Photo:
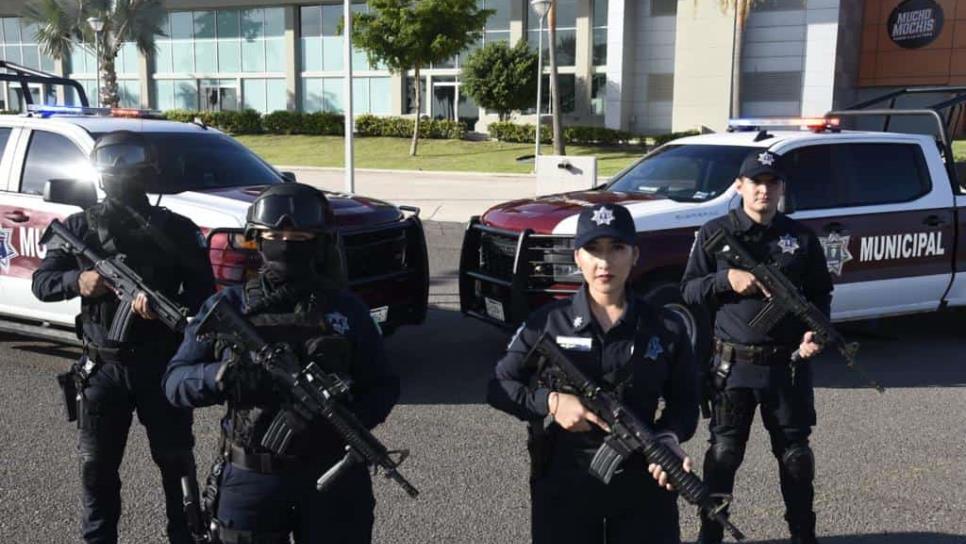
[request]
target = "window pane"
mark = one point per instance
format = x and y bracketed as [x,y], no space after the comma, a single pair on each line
[312,54]
[600,47]
[311,94]
[205,51]
[11,30]
[566,83]
[310,21]
[809,182]
[411,95]
[252,26]
[566,47]
[332,53]
[50,156]
[566,13]
[186,94]
[274,55]
[254,91]
[162,57]
[130,57]
[332,94]
[207,160]
[600,13]
[229,56]
[493,37]
[182,23]
[12,53]
[4,136]
[380,95]
[501,19]
[31,56]
[665,7]
[228,24]
[129,93]
[359,60]
[28,32]
[881,173]
[183,57]
[164,90]
[274,22]
[253,56]
[46,63]
[277,95]
[360,95]
[204,25]
[331,17]
[598,94]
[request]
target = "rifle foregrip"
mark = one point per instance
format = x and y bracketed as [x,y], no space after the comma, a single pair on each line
[688,485]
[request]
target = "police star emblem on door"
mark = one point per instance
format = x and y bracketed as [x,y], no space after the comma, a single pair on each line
[7,252]
[837,251]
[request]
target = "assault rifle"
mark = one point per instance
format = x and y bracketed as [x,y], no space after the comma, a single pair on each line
[125,282]
[309,395]
[628,434]
[785,300]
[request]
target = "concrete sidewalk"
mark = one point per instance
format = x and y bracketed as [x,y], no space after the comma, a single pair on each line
[441,196]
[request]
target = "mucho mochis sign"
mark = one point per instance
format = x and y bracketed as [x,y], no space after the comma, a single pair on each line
[915,23]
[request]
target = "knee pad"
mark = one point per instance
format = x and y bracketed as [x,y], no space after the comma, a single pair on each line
[727,455]
[799,462]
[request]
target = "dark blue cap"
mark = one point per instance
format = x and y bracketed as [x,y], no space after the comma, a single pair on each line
[760,163]
[610,220]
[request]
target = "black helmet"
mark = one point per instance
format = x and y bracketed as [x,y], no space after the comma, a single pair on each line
[126,162]
[289,205]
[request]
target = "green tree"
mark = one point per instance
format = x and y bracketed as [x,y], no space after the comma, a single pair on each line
[408,35]
[501,78]
[62,25]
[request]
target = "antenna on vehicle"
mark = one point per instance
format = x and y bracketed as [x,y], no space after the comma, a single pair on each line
[763,135]
[198,121]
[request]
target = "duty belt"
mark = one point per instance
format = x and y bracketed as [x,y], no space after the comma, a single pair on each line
[264,463]
[754,355]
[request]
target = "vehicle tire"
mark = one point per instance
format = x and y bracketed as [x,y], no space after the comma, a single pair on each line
[696,319]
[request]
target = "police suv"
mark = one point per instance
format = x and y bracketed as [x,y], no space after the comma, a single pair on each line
[886,207]
[45,174]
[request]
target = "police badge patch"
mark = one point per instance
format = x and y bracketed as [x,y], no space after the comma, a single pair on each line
[7,252]
[603,216]
[837,251]
[654,348]
[338,322]
[788,244]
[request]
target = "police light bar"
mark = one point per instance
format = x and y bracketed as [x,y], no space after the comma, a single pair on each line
[47,110]
[812,123]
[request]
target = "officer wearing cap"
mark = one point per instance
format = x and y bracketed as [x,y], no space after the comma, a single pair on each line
[298,300]
[624,343]
[169,253]
[751,369]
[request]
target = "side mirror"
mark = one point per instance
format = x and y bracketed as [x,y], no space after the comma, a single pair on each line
[70,191]
[289,176]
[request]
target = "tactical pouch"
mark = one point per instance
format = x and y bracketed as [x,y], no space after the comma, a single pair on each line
[720,372]
[68,389]
[540,443]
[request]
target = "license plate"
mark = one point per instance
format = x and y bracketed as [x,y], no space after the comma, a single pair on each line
[494,309]
[380,314]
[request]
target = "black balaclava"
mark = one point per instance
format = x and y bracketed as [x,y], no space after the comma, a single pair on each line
[289,260]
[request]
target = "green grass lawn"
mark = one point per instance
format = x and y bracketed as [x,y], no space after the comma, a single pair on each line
[452,155]
[959,150]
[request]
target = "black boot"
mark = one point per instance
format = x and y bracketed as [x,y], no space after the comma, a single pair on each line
[711,531]
[802,529]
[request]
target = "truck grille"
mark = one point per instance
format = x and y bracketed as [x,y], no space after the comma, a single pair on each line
[375,253]
[497,253]
[549,257]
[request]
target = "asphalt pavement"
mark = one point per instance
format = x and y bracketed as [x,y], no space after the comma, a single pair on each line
[890,466]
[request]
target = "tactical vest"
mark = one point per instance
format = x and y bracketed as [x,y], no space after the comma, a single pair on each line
[294,317]
[115,232]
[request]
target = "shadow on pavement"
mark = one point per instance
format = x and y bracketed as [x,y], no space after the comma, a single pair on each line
[40,346]
[884,538]
[922,350]
[447,360]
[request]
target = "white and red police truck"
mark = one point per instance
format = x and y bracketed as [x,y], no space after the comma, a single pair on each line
[888,208]
[207,177]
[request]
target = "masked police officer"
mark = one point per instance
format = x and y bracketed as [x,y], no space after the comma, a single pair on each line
[168,252]
[298,299]
[619,340]
[752,369]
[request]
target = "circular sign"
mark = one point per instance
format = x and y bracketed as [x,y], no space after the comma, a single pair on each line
[915,23]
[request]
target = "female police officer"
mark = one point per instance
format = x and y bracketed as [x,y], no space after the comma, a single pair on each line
[621,341]
[296,301]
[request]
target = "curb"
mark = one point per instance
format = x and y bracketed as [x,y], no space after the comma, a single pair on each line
[389,171]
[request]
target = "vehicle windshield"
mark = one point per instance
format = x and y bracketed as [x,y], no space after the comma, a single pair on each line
[684,173]
[204,161]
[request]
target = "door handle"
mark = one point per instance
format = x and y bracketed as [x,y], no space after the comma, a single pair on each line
[17,216]
[934,221]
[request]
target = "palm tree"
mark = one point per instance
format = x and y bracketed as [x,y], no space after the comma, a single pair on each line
[63,24]
[741,8]
[558,141]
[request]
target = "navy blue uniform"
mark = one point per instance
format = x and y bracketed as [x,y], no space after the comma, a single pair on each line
[648,350]
[760,372]
[128,375]
[280,497]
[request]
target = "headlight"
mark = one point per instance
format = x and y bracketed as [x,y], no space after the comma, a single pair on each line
[562,259]
[567,273]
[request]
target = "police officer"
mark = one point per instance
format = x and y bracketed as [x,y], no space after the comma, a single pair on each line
[625,343]
[750,368]
[298,299]
[168,251]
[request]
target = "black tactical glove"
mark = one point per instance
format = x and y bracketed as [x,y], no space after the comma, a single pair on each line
[245,384]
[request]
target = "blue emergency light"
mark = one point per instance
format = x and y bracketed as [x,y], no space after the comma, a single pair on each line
[48,110]
[815,124]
